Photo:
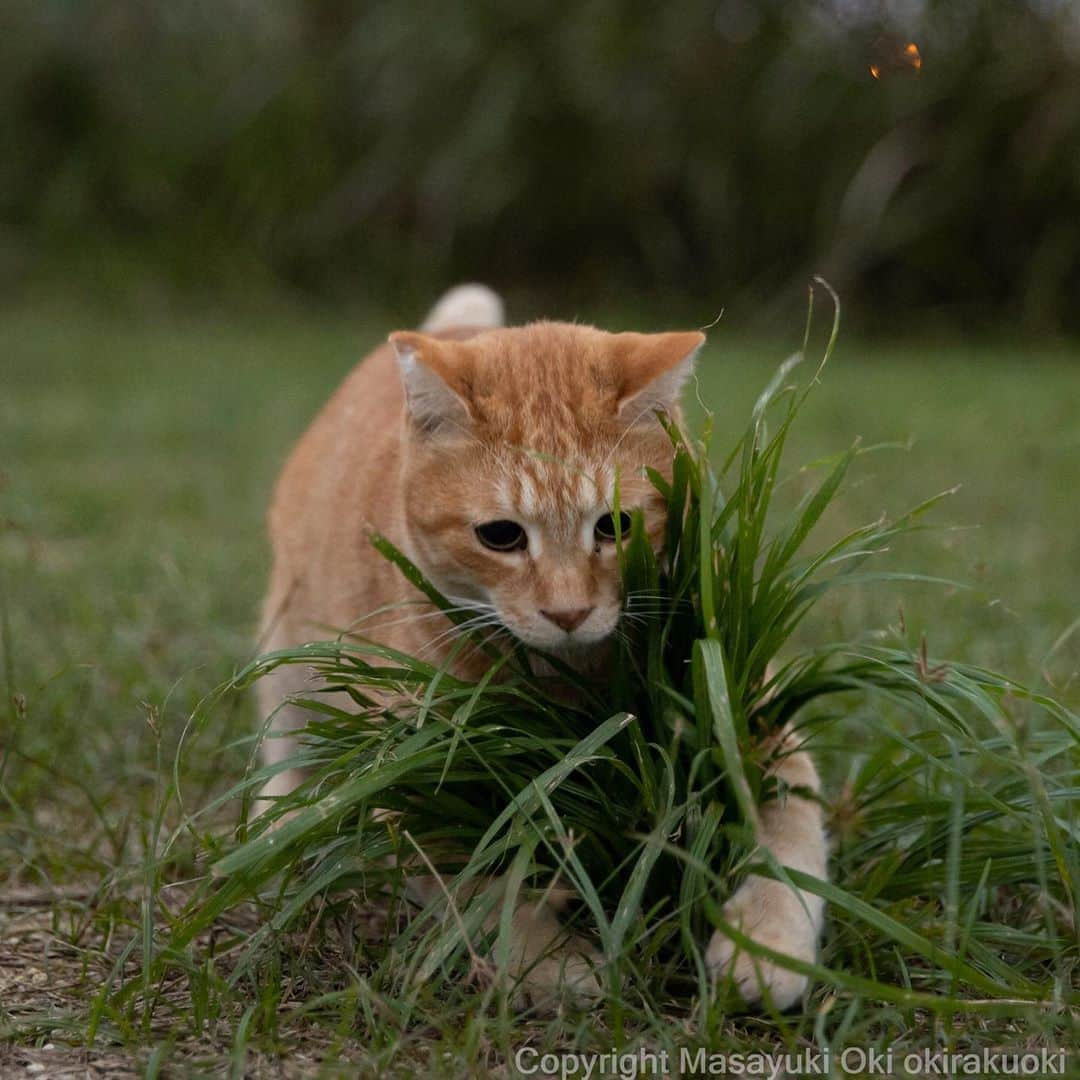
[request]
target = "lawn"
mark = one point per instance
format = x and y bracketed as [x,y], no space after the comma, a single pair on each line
[136,459]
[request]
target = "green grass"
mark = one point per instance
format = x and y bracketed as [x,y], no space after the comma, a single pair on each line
[136,461]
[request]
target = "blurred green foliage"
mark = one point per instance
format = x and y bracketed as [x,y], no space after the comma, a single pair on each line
[714,150]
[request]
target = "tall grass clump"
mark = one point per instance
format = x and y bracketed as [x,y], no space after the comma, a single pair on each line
[956,867]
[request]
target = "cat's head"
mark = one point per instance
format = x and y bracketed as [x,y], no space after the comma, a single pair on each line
[513,441]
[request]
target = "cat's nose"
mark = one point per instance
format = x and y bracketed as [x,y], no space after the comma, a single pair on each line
[568,620]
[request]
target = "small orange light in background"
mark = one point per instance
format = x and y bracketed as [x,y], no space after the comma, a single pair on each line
[892,55]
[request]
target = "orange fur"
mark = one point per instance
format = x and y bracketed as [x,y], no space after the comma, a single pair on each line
[541,420]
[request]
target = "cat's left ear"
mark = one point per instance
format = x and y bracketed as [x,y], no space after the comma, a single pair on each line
[434,379]
[654,369]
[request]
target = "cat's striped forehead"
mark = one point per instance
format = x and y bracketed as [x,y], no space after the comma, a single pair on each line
[545,488]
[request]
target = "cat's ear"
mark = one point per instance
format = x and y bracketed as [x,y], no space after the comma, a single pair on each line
[433,378]
[653,370]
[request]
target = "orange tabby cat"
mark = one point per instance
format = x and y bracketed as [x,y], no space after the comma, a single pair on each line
[489,455]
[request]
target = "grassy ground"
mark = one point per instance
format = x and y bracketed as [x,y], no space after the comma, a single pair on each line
[135,462]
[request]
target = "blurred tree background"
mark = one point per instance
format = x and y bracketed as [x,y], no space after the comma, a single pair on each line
[593,151]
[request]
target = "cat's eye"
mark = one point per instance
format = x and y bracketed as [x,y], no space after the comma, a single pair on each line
[502,536]
[605,527]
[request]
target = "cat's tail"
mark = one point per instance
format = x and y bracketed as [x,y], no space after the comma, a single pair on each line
[465,306]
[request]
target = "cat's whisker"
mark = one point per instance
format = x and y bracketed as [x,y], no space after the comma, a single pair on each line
[458,629]
[654,594]
[640,602]
[473,647]
[482,644]
[466,603]
[377,628]
[460,605]
[462,628]
[454,629]
[417,617]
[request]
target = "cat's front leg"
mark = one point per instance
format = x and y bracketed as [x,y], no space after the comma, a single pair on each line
[771,912]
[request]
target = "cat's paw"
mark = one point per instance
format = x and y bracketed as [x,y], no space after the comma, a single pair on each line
[770,913]
[566,975]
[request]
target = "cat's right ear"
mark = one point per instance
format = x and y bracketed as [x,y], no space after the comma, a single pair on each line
[431,380]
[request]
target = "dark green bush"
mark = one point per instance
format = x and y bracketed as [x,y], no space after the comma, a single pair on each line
[718,150]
